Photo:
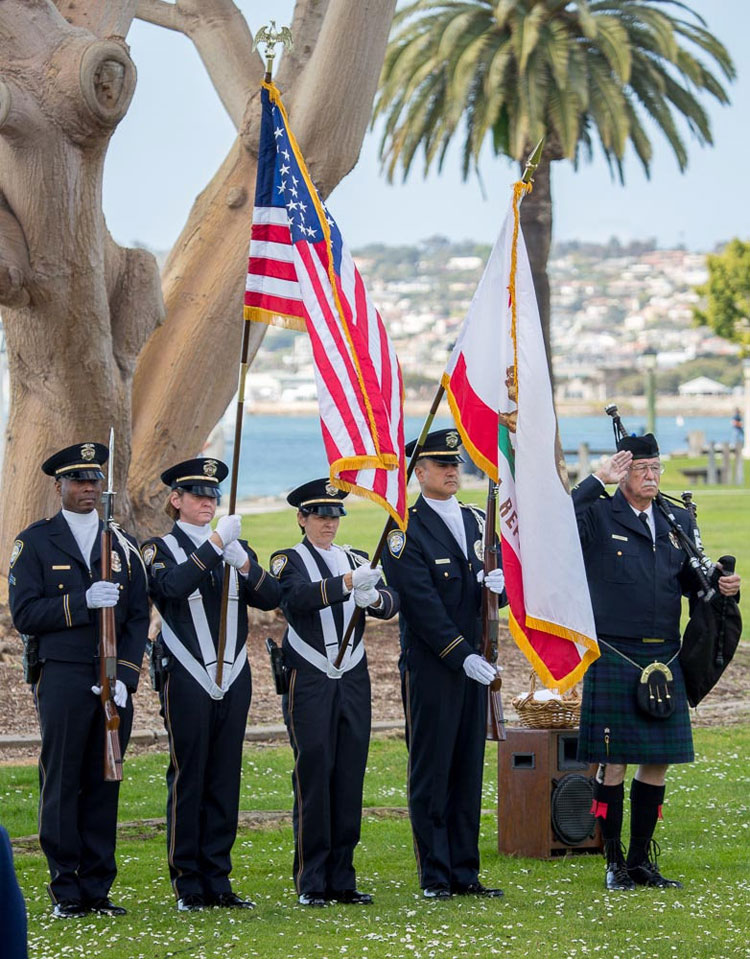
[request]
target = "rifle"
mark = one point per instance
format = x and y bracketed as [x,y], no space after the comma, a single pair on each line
[108,638]
[495,719]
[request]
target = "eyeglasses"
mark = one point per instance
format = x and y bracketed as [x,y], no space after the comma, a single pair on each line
[656,469]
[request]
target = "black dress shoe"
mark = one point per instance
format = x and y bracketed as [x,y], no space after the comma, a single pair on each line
[477,889]
[617,877]
[437,892]
[312,899]
[352,897]
[106,907]
[69,909]
[230,900]
[647,874]
[193,902]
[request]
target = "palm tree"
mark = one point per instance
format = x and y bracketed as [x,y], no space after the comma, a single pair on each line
[574,71]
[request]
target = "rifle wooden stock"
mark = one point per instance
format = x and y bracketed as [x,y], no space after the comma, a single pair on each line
[495,718]
[108,672]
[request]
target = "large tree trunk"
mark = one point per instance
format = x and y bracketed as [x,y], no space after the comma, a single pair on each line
[77,309]
[536,222]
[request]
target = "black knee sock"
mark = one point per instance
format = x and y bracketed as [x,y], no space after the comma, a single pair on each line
[645,808]
[607,807]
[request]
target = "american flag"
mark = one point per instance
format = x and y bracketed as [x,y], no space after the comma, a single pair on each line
[302,276]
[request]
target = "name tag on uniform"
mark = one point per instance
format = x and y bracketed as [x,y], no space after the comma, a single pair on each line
[623,538]
[439,561]
[62,567]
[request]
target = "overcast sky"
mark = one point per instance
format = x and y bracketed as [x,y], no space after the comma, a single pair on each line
[176,134]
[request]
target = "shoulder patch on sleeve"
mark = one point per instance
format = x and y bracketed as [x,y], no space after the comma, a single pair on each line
[148,553]
[396,542]
[278,563]
[17,547]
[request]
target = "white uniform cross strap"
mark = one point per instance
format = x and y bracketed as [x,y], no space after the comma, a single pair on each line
[202,630]
[331,638]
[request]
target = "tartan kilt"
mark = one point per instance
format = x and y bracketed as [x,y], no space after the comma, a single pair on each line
[609,702]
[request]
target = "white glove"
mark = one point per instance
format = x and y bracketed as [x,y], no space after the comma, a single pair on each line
[234,554]
[229,528]
[121,693]
[494,580]
[477,668]
[365,596]
[101,594]
[365,576]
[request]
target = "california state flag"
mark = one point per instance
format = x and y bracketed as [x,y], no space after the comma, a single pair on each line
[500,395]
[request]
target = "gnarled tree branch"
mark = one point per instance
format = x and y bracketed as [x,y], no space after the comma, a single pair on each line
[224,43]
[306,26]
[352,42]
[103,18]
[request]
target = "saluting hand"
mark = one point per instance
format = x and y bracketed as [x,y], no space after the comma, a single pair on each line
[615,468]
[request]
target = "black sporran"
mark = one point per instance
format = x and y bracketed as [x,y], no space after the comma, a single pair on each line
[655,691]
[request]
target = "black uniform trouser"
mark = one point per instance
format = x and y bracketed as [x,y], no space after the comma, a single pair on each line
[77,808]
[203,780]
[329,728]
[445,717]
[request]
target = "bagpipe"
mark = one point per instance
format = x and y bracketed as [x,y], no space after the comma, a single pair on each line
[713,631]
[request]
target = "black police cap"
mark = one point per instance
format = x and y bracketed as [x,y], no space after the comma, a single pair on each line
[642,447]
[443,445]
[200,476]
[81,461]
[318,496]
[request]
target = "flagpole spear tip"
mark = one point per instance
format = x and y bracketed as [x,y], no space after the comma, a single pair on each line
[270,37]
[533,162]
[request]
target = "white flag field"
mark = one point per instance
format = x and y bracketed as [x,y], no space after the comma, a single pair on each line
[499,390]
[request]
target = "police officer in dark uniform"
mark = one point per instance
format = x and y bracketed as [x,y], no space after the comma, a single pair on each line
[205,722]
[637,573]
[327,708]
[437,569]
[55,594]
[13,920]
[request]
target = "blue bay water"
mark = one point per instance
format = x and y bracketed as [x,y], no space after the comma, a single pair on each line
[280,452]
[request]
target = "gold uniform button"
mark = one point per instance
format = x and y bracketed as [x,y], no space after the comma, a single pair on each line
[445,574]
[619,552]
[60,586]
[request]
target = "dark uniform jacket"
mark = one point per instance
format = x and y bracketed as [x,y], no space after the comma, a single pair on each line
[437,584]
[302,600]
[47,593]
[636,584]
[171,583]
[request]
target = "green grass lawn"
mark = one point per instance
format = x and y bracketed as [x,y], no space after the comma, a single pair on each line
[556,908]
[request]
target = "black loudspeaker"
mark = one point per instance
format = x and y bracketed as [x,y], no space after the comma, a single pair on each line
[544,795]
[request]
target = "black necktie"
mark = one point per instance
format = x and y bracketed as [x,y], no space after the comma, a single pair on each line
[644,519]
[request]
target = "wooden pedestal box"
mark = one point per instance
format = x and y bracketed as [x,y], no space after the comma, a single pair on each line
[544,795]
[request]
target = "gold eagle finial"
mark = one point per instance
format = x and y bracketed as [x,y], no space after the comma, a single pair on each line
[270,36]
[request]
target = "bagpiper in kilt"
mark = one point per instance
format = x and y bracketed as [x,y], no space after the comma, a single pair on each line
[637,574]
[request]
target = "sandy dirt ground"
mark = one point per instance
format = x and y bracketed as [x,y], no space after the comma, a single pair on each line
[726,705]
